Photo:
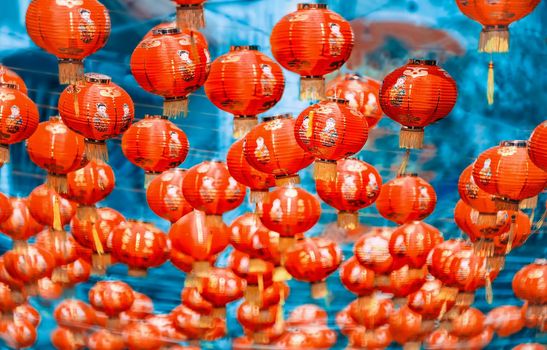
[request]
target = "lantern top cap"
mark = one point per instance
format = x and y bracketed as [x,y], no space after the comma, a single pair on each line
[55,119]
[421,61]
[166,31]
[354,76]
[337,100]
[305,6]
[408,175]
[279,116]
[10,85]
[97,78]
[155,116]
[515,143]
[243,47]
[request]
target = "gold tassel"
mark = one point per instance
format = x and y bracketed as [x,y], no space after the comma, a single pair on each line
[57,226]
[309,132]
[488,287]
[511,235]
[539,223]
[96,239]
[490,83]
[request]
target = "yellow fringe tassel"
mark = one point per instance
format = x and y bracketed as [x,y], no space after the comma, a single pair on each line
[490,84]
[57,214]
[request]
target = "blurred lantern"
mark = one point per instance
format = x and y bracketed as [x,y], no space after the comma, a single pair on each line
[416,95]
[477,198]
[220,287]
[372,251]
[406,198]
[166,326]
[362,94]
[188,321]
[208,187]
[507,172]
[430,301]
[330,130]
[103,339]
[112,298]
[89,185]
[529,346]
[142,336]
[312,42]
[20,225]
[364,338]
[8,76]
[411,243]
[6,278]
[70,30]
[185,262]
[28,265]
[27,312]
[271,148]
[140,246]
[506,320]
[97,109]
[402,282]
[58,150]
[312,260]
[321,337]
[141,308]
[10,299]
[49,290]
[18,118]
[518,233]
[481,340]
[48,208]
[258,275]
[245,83]
[258,182]
[191,298]
[250,236]
[164,195]
[64,339]
[77,271]
[409,328]
[356,185]
[357,278]
[75,315]
[155,145]
[530,284]
[256,319]
[19,333]
[537,146]
[307,315]
[190,14]
[441,339]
[469,323]
[171,64]
[5,208]
[63,249]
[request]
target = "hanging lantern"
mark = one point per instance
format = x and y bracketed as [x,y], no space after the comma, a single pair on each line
[171,64]
[409,328]
[142,335]
[64,339]
[20,225]
[208,187]
[480,200]
[97,109]
[5,208]
[506,320]
[362,94]
[529,284]
[518,233]
[258,276]
[27,312]
[74,315]
[10,299]
[19,334]
[406,198]
[112,298]
[28,265]
[104,339]
[164,195]
[245,83]
[190,14]
[441,339]
[188,321]
[372,251]
[429,301]
[155,145]
[191,298]
[256,319]
[293,340]
[166,326]
[356,185]
[9,77]
[537,146]
[18,118]
[62,247]
[312,42]
[377,338]
[330,130]
[49,290]
[411,243]
[507,172]
[48,208]
[185,262]
[468,324]
[415,96]
[357,278]
[401,282]
[371,311]
[250,236]
[77,272]
[58,150]
[220,287]
[70,30]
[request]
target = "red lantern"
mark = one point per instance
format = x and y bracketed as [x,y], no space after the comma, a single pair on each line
[537,146]
[171,64]
[257,319]
[477,198]
[10,299]
[408,328]
[245,83]
[258,182]
[5,208]
[507,172]
[506,320]
[220,287]
[64,339]
[187,321]
[402,282]
[8,76]
[74,315]
[357,278]
[250,236]
[363,338]
[293,340]
[20,225]
[29,264]
[312,260]
[58,150]
[209,187]
[49,290]
[97,109]
[191,297]
[190,14]
[185,263]
[111,297]
[63,249]
[259,276]
[27,312]
[77,271]
[18,118]
[362,94]
[312,42]
[155,145]
[406,198]
[416,95]
[166,325]
[371,311]
[307,315]
[141,308]
[518,233]
[356,185]
[164,195]
[429,301]
[140,246]
[411,243]
[468,323]
[103,339]
[271,148]
[70,30]
[372,251]
[19,334]
[48,208]
[441,339]
[530,284]
[142,336]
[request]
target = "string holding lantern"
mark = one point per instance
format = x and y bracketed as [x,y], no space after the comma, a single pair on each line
[312,42]
[171,64]
[48,208]
[537,146]
[164,195]
[8,76]
[245,83]
[190,14]
[70,30]
[155,144]
[415,96]
[97,109]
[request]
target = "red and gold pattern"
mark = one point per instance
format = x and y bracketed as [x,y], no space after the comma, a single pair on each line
[111,297]
[220,287]
[164,195]
[48,208]
[411,243]
[9,77]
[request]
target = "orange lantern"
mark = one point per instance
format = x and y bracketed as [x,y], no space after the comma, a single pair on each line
[165,324]
[10,299]
[477,198]
[191,297]
[293,340]
[258,276]
[208,187]
[49,290]
[377,338]
[58,150]
[75,315]
[48,208]
[345,322]
[64,339]
[8,76]
[63,249]
[20,225]
[271,148]
[507,172]
[408,328]
[140,246]
[27,312]
[371,311]
[77,271]
[70,30]
[142,336]
[190,14]
[429,301]
[312,42]
[29,264]
[537,146]
[530,284]
[5,208]
[18,118]
[104,339]
[401,282]
[164,195]
[97,109]
[406,198]
[155,145]
[141,308]
[518,233]
[257,319]
[506,320]
[416,95]
[220,287]
[258,182]
[250,236]
[372,251]
[185,263]
[411,243]
[245,83]
[357,278]
[19,334]
[171,64]
[312,260]
[441,339]
[111,297]
[307,315]
[362,94]
[469,323]
[356,185]
[187,321]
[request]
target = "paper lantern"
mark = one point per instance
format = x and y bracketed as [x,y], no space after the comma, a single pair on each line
[19,334]
[357,278]
[415,96]
[166,326]
[468,323]
[103,339]
[429,301]
[64,339]
[356,185]
[506,320]
[330,130]
[307,315]
[185,262]
[507,172]
[155,145]
[537,146]
[29,264]
[141,308]
[77,271]
[245,83]
[220,287]
[408,327]
[441,339]
[256,319]
[518,233]
[371,311]
[9,77]
[58,150]
[70,30]
[295,339]
[49,290]
[10,299]
[27,312]
[312,42]
[97,109]
[142,336]
[362,94]
[480,200]
[372,251]
[48,208]
[530,284]
[190,14]
[406,198]
[20,225]
[250,236]
[401,282]
[63,249]
[111,297]
[164,195]
[258,276]
[5,208]
[377,338]
[18,118]
[171,64]
[411,243]
[191,297]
